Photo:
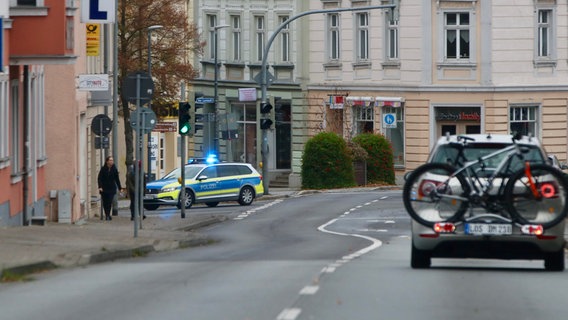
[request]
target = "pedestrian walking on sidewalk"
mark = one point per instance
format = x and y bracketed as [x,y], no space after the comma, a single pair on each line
[108,181]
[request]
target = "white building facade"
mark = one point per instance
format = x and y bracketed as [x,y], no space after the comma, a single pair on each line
[443,66]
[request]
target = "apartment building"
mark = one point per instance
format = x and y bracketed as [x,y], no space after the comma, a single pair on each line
[442,66]
[42,130]
[241,30]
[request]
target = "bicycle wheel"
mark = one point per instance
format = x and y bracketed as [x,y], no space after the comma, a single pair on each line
[541,202]
[432,194]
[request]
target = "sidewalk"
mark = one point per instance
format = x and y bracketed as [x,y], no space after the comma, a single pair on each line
[28,249]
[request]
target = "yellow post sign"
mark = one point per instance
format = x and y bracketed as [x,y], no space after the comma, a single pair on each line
[93,39]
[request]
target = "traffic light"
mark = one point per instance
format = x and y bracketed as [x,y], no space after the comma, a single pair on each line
[184,126]
[265,123]
[265,107]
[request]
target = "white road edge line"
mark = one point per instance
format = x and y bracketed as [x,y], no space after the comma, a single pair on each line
[375,243]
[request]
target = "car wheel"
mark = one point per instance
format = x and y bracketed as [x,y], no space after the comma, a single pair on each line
[151,207]
[211,204]
[189,199]
[420,259]
[246,196]
[554,261]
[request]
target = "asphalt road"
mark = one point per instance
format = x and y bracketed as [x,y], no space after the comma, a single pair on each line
[324,256]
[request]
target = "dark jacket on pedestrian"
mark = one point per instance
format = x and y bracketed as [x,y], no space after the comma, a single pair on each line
[108,180]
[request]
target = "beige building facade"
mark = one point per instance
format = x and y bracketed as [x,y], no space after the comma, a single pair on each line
[443,66]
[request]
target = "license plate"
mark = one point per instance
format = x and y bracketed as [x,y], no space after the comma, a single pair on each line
[149,196]
[488,229]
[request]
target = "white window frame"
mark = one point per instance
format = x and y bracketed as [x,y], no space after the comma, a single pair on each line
[334,37]
[545,36]
[392,40]
[211,24]
[259,36]
[16,136]
[458,28]
[362,36]
[38,107]
[284,39]
[4,121]
[236,36]
[528,114]
[362,115]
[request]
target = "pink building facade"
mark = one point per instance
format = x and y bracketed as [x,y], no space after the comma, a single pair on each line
[41,112]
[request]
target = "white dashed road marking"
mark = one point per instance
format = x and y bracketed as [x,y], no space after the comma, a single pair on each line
[246,214]
[289,314]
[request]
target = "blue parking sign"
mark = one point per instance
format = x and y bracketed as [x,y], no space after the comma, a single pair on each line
[389,120]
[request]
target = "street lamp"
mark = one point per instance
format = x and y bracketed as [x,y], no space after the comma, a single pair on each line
[150,29]
[215,86]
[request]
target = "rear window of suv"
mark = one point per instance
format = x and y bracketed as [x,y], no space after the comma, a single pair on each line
[473,151]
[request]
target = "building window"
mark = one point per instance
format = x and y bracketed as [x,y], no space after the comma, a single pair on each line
[69,34]
[4,122]
[457,27]
[38,94]
[259,30]
[236,38]
[212,23]
[364,118]
[244,149]
[284,40]
[27,2]
[362,36]
[15,110]
[392,39]
[333,35]
[523,120]
[544,36]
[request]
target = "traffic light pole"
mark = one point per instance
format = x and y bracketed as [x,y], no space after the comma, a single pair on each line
[264,72]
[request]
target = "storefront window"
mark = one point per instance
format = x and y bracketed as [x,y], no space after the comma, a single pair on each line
[244,147]
[364,117]
[523,120]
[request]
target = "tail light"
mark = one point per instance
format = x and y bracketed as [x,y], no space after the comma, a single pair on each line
[444,227]
[532,229]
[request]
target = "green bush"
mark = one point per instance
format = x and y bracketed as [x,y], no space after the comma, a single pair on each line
[326,163]
[380,163]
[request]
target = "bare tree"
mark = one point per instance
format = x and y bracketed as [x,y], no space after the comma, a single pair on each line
[171,48]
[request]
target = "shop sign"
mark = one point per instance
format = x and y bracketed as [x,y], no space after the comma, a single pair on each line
[165,127]
[93,82]
[457,116]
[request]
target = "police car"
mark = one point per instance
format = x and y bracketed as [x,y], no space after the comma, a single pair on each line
[208,183]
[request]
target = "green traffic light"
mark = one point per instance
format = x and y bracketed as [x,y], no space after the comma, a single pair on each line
[184,129]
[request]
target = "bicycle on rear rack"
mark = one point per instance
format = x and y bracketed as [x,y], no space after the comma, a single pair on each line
[532,195]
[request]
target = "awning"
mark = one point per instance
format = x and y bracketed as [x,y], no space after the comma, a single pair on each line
[359,101]
[389,101]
